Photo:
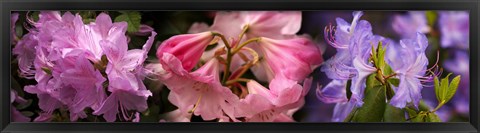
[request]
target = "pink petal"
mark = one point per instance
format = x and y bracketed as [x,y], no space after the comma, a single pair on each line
[188,48]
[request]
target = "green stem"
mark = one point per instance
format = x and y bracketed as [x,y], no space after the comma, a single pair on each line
[245,44]
[438,106]
[237,80]
[226,72]
[245,28]
[223,39]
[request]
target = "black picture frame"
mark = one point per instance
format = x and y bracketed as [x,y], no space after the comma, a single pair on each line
[6,6]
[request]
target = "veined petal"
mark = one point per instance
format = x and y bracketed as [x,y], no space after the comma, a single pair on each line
[358,82]
[188,48]
[333,92]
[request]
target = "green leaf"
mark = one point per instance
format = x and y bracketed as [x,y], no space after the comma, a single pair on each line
[452,88]
[444,88]
[431,17]
[420,117]
[389,91]
[24,106]
[437,88]
[432,117]
[381,55]
[393,114]
[350,116]
[394,81]
[422,106]
[19,30]
[373,107]
[151,115]
[133,19]
[411,112]
[27,113]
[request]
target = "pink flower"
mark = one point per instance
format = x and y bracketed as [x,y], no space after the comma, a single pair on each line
[25,52]
[16,115]
[125,77]
[294,58]
[85,81]
[277,25]
[187,48]
[200,91]
[177,116]
[13,21]
[277,104]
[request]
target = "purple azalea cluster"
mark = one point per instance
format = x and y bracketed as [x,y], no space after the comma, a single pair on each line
[354,42]
[80,67]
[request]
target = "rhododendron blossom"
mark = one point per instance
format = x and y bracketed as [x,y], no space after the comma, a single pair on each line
[71,61]
[214,91]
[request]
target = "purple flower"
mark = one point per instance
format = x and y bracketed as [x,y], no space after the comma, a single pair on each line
[64,55]
[126,85]
[25,52]
[13,21]
[342,110]
[454,28]
[353,43]
[17,116]
[409,69]
[408,25]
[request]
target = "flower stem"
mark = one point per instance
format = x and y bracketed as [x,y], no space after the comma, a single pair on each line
[226,72]
[245,44]
[244,30]
[438,106]
[227,44]
[237,80]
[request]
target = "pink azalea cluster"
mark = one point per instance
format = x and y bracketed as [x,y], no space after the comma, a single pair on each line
[80,67]
[211,83]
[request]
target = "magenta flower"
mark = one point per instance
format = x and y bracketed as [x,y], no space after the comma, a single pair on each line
[66,61]
[85,81]
[13,21]
[17,116]
[187,48]
[199,92]
[125,77]
[25,52]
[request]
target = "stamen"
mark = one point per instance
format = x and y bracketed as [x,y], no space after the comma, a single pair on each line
[330,38]
[196,104]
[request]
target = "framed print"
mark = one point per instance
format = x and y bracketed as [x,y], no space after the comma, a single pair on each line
[209,66]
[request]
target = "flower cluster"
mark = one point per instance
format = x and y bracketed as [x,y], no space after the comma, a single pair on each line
[355,61]
[83,68]
[211,83]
